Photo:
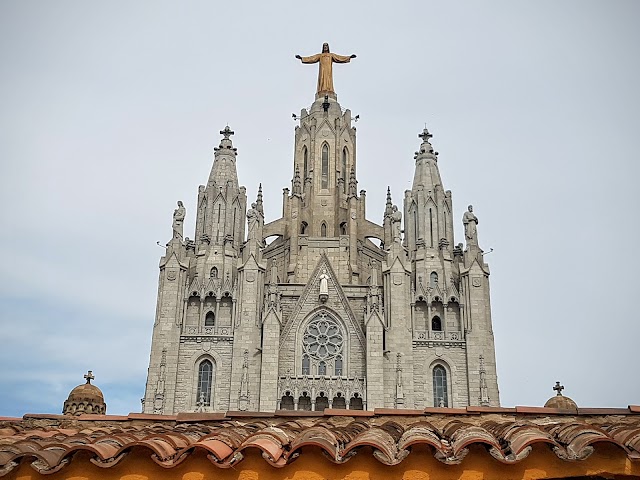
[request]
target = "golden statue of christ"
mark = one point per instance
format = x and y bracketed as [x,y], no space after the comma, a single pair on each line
[325,72]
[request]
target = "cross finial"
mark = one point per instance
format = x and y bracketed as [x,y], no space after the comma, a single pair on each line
[89,376]
[425,135]
[227,132]
[558,388]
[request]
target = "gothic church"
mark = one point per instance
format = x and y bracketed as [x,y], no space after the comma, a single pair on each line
[306,312]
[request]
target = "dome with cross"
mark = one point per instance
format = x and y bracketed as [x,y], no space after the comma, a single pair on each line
[560,401]
[85,398]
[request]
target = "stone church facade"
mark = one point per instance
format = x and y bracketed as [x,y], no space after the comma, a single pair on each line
[306,312]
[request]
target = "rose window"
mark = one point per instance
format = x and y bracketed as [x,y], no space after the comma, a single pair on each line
[323,338]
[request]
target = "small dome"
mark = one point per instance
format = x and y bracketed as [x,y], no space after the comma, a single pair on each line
[560,401]
[85,398]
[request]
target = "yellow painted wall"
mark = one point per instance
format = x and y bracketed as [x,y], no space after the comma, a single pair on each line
[312,465]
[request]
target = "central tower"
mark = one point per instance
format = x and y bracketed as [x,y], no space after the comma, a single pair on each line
[308,312]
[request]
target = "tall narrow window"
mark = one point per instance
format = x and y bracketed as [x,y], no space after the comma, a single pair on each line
[233,225]
[344,170]
[322,368]
[445,223]
[306,365]
[205,376]
[431,226]
[415,225]
[213,273]
[440,395]
[305,162]
[436,324]
[209,320]
[338,369]
[303,228]
[325,166]
[323,230]
[433,279]
[219,208]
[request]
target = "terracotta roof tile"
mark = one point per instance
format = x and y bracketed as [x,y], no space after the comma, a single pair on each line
[47,442]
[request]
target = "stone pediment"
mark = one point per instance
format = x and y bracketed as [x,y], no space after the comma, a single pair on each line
[310,301]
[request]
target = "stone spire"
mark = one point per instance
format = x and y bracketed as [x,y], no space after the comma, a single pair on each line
[223,172]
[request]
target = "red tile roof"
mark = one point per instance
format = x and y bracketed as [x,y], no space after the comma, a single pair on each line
[48,442]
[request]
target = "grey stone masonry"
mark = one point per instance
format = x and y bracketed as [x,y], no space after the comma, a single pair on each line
[321,317]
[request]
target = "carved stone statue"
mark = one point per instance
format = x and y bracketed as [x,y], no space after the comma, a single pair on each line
[252,221]
[325,72]
[178,220]
[396,218]
[324,287]
[470,222]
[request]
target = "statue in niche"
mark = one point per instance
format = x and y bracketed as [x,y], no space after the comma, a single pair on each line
[178,221]
[470,222]
[396,218]
[325,72]
[324,287]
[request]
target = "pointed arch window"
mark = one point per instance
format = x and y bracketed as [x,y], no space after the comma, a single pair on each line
[305,163]
[306,365]
[322,368]
[205,382]
[325,166]
[210,319]
[303,228]
[338,368]
[344,169]
[323,230]
[431,227]
[415,225]
[213,273]
[433,279]
[436,324]
[440,393]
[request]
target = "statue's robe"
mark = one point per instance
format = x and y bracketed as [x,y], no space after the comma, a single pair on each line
[325,73]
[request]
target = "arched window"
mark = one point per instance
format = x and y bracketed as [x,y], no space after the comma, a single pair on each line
[440,395]
[304,401]
[415,225]
[433,279]
[344,170]
[209,320]
[431,227]
[322,402]
[323,230]
[306,365]
[338,368]
[356,402]
[205,378]
[343,228]
[325,166]
[286,402]
[339,401]
[303,227]
[305,162]
[213,273]
[436,324]
[322,368]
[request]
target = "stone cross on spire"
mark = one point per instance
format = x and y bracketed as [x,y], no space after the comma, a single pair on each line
[425,135]
[89,376]
[558,388]
[227,132]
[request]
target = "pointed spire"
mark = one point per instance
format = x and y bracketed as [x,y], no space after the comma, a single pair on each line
[353,183]
[259,205]
[297,184]
[388,209]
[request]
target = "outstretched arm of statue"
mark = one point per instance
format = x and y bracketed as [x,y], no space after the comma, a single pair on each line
[311,59]
[342,58]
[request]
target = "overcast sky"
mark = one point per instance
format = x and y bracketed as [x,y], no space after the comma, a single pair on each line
[109,112]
